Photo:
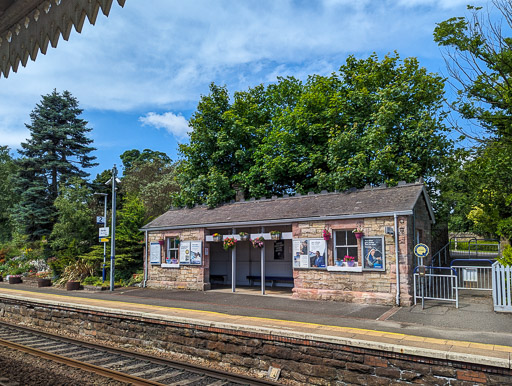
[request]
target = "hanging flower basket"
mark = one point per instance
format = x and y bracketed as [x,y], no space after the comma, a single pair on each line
[326,234]
[217,237]
[258,242]
[229,243]
[275,235]
[244,236]
[161,242]
[358,233]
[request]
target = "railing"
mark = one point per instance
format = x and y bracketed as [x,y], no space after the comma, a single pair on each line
[501,284]
[442,257]
[474,248]
[475,274]
[438,283]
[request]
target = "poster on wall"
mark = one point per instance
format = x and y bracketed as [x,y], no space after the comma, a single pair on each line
[300,253]
[185,252]
[373,253]
[317,251]
[154,253]
[195,252]
[279,250]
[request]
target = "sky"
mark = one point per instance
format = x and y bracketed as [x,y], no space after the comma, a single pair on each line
[139,73]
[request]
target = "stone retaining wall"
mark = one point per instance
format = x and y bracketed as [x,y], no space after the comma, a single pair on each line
[250,350]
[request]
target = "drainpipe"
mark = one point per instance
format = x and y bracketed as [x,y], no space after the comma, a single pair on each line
[233,264]
[397,264]
[144,284]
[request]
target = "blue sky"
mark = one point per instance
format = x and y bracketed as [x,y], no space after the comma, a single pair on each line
[139,73]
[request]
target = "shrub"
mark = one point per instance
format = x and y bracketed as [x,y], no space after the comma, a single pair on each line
[506,256]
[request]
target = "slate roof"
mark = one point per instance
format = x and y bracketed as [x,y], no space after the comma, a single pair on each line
[354,203]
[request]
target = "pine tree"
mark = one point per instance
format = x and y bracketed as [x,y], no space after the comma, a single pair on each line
[58,149]
[7,196]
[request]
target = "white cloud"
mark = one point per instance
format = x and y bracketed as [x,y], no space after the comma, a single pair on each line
[176,125]
[162,57]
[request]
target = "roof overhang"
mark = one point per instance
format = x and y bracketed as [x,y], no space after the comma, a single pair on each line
[28,26]
[279,221]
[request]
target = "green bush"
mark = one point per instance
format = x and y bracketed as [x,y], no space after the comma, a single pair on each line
[506,256]
[93,280]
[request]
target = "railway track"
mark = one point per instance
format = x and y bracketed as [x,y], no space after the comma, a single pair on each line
[116,364]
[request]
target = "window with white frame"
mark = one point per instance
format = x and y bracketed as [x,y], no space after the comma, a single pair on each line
[345,244]
[173,244]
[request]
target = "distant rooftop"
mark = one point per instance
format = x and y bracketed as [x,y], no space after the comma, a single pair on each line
[375,201]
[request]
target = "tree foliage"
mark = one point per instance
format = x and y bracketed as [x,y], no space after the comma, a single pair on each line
[150,176]
[57,150]
[479,56]
[373,121]
[7,196]
[74,232]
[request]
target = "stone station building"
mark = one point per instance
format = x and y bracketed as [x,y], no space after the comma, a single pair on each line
[316,253]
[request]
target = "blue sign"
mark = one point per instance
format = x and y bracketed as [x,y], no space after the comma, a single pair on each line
[421,250]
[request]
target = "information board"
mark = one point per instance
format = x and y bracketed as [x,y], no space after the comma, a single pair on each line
[154,253]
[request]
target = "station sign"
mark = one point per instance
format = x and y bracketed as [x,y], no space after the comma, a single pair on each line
[421,250]
[101,220]
[104,232]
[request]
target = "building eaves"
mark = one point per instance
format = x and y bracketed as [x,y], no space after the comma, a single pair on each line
[28,26]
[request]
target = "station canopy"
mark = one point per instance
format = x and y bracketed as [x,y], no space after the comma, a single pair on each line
[28,26]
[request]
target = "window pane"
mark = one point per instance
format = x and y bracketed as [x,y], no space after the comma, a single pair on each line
[351,239]
[341,238]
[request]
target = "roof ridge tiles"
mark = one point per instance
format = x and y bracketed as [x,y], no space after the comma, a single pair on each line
[367,187]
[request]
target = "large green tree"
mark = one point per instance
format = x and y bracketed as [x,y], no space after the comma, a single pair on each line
[150,176]
[7,196]
[373,121]
[479,57]
[58,149]
[74,232]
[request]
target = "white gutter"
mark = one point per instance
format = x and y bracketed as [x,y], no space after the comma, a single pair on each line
[146,263]
[240,224]
[397,263]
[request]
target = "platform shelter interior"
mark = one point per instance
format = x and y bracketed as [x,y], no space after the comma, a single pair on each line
[247,260]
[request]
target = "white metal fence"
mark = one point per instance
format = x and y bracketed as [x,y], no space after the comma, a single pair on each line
[438,283]
[474,274]
[501,284]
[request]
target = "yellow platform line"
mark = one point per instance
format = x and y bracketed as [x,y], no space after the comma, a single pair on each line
[354,330]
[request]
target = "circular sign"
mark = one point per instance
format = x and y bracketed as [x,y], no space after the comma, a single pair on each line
[421,250]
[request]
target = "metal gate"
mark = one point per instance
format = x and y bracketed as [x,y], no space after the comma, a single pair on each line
[501,284]
[474,274]
[437,283]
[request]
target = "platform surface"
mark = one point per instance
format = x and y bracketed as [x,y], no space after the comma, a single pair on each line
[472,333]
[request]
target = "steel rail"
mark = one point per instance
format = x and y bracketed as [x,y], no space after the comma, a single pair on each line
[112,374]
[157,360]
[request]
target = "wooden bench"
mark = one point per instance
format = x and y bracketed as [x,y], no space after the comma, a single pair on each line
[271,279]
[218,278]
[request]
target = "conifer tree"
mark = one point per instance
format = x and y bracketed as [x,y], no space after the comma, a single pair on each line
[58,149]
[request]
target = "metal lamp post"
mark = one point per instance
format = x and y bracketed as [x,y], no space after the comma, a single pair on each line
[104,244]
[113,242]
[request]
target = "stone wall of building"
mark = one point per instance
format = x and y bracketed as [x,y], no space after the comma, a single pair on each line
[358,287]
[186,277]
[312,360]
